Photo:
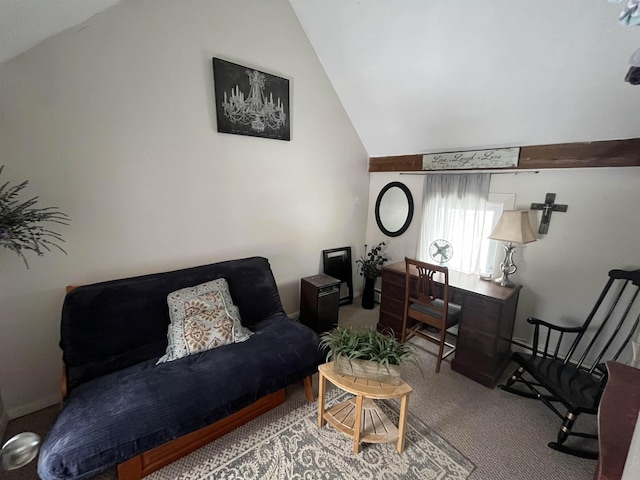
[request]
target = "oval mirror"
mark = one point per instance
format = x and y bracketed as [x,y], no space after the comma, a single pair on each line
[394,209]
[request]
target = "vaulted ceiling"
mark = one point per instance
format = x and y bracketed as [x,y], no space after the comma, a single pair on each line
[419,76]
[442,75]
[25,23]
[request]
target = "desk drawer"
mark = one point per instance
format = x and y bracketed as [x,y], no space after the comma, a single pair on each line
[389,322]
[386,321]
[476,341]
[393,278]
[393,290]
[482,305]
[477,322]
[476,361]
[391,306]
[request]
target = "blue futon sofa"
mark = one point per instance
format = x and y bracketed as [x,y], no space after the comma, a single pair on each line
[121,408]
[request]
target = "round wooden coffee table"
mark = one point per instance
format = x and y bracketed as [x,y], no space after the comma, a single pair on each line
[360,418]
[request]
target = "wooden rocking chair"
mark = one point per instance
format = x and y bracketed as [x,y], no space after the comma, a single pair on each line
[577,378]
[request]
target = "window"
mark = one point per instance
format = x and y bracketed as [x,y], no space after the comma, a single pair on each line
[458,208]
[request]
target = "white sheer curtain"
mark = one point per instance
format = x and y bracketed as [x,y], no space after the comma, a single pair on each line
[454,208]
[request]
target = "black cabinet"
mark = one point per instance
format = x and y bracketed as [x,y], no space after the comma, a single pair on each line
[319,300]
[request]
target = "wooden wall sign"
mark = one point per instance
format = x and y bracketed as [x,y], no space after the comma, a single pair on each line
[607,153]
[496,158]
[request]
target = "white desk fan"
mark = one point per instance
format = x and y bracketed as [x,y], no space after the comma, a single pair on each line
[440,251]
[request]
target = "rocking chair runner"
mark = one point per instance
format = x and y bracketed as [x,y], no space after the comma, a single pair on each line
[577,378]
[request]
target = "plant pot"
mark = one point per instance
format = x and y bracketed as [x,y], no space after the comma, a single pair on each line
[368,295]
[368,369]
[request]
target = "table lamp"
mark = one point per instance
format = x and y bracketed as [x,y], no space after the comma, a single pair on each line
[513,227]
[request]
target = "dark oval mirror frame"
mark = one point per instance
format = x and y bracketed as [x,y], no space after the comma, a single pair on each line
[407,222]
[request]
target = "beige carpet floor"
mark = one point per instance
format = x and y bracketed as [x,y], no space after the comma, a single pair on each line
[503,435]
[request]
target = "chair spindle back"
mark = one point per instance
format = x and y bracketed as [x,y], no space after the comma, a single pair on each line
[622,294]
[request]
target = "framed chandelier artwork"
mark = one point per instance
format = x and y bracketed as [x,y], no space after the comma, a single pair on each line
[251,102]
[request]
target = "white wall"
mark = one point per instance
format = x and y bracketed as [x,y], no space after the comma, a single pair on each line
[565,269]
[114,122]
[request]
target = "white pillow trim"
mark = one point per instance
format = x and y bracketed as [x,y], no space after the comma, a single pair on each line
[177,322]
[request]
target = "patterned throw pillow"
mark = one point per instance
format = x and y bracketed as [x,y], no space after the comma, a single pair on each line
[202,318]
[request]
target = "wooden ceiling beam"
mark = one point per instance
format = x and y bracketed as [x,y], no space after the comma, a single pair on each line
[609,153]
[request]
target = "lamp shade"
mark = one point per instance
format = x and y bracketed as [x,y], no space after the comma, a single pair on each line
[513,226]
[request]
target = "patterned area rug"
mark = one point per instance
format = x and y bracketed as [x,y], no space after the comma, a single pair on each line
[293,447]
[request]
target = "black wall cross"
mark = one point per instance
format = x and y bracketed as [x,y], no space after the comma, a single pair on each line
[547,207]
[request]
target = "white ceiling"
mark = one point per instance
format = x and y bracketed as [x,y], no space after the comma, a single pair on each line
[419,76]
[25,23]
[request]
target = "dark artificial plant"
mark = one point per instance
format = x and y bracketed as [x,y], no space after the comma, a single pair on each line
[367,344]
[369,266]
[21,226]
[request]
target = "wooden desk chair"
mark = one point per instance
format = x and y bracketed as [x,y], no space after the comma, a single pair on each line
[427,302]
[566,364]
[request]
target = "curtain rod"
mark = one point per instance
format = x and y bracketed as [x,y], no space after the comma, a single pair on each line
[445,172]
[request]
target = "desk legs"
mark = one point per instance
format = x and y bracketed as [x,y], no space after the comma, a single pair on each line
[322,383]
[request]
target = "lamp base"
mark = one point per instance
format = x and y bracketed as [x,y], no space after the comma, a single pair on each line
[505,282]
[507,267]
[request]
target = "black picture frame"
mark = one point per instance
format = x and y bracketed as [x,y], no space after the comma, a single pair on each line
[251,102]
[337,264]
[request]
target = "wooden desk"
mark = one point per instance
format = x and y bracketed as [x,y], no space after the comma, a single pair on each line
[486,322]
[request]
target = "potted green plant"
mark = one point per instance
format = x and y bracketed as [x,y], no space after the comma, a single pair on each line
[21,225]
[369,267]
[367,353]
